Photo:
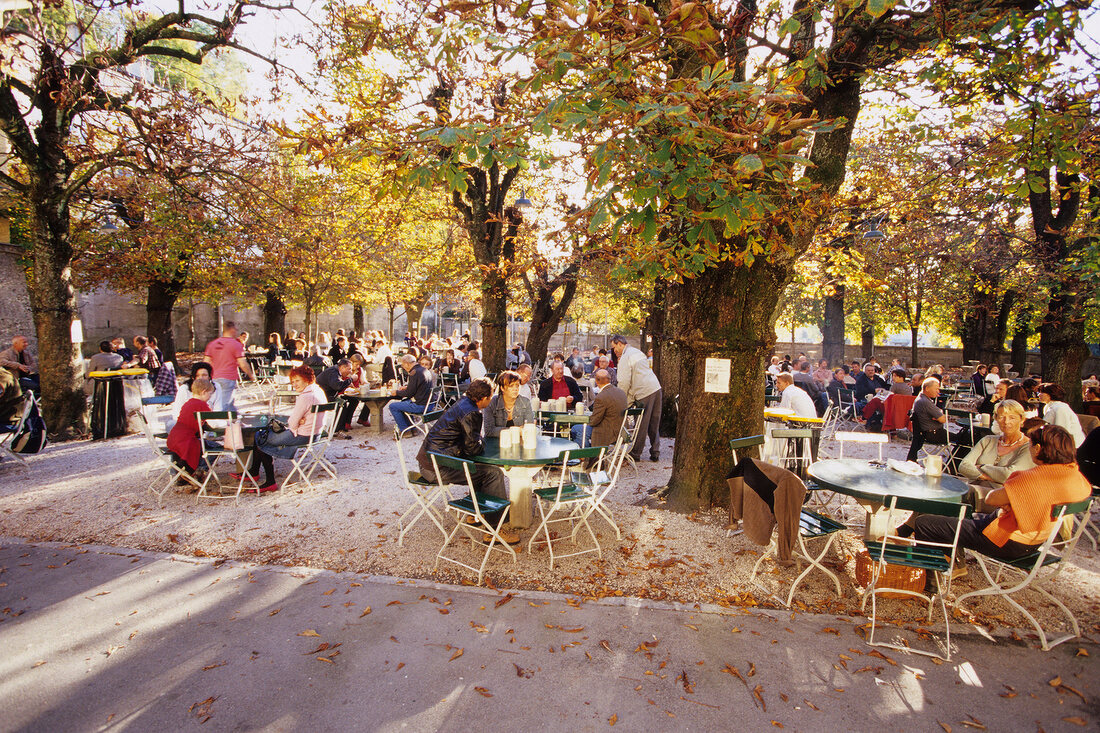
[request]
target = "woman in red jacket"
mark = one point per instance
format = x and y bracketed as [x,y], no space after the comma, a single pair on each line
[183,440]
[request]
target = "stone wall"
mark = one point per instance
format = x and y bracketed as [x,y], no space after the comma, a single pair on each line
[15,304]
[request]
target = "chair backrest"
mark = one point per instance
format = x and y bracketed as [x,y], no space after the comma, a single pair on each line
[796,433]
[579,453]
[895,411]
[205,417]
[843,437]
[1088,422]
[745,444]
[440,459]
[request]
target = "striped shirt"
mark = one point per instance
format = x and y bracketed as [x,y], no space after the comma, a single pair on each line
[1031,494]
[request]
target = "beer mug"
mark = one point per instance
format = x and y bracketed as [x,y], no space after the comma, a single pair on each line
[933,466]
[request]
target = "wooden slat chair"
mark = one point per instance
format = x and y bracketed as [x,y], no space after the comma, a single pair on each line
[811,526]
[879,439]
[210,456]
[573,502]
[746,445]
[171,471]
[1036,569]
[425,496]
[472,507]
[311,456]
[932,557]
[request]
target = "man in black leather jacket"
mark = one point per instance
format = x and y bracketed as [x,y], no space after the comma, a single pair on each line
[457,433]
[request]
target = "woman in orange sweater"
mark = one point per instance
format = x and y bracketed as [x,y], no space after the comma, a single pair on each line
[1022,520]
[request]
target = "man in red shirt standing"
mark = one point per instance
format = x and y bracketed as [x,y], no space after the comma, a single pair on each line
[225,355]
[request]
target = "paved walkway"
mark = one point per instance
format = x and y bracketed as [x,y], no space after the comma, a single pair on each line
[101,638]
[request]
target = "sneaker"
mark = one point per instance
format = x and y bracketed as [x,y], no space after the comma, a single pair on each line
[343,436]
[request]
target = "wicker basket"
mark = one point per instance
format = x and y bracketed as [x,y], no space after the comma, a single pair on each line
[896,576]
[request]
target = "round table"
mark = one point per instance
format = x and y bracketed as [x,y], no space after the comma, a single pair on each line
[109,410]
[520,466]
[873,486]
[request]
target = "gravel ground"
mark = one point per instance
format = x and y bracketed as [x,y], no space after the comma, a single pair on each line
[97,492]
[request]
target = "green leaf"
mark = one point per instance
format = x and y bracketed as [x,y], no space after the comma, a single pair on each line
[790,27]
[876,8]
[749,163]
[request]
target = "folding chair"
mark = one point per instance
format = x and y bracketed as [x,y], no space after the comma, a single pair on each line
[746,444]
[629,432]
[450,390]
[829,421]
[211,455]
[847,404]
[475,507]
[811,526]
[1092,526]
[879,439]
[311,456]
[573,501]
[9,431]
[932,557]
[799,439]
[420,422]
[425,495]
[1028,571]
[171,471]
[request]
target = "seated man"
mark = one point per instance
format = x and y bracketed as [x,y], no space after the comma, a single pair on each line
[928,419]
[105,361]
[526,387]
[899,382]
[867,384]
[333,381]
[21,363]
[607,411]
[415,395]
[561,384]
[457,433]
[793,397]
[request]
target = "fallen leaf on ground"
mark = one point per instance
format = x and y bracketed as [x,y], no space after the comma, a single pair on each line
[458,653]
[945,726]
[365,612]
[213,666]
[504,600]
[613,719]
[319,649]
[758,693]
[325,659]
[309,632]
[1076,720]
[275,612]
[605,644]
[483,692]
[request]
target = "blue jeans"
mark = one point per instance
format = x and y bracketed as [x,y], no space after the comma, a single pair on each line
[404,407]
[227,385]
[580,434]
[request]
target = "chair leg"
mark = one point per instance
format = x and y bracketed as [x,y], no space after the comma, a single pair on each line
[814,562]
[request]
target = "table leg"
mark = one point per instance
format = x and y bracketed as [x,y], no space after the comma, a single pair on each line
[376,409]
[874,527]
[519,493]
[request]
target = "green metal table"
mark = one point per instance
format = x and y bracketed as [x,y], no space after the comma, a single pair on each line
[520,466]
[873,486]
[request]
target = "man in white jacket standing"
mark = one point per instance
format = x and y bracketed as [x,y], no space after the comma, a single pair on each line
[637,379]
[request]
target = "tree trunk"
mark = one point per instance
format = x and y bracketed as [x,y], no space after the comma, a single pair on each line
[494,321]
[160,306]
[867,339]
[1062,346]
[54,307]
[274,315]
[913,362]
[308,307]
[546,315]
[984,323]
[414,311]
[357,319]
[832,328]
[727,312]
[1020,336]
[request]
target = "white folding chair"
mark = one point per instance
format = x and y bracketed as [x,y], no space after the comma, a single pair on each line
[311,456]
[879,439]
[629,432]
[210,456]
[425,495]
[795,447]
[848,416]
[419,422]
[811,526]
[572,501]
[829,421]
[171,470]
[932,557]
[1036,569]
[473,507]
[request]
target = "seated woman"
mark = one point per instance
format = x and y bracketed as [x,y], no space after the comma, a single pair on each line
[1016,392]
[274,346]
[507,408]
[995,457]
[1057,412]
[448,364]
[300,426]
[1091,405]
[1020,520]
[183,438]
[360,380]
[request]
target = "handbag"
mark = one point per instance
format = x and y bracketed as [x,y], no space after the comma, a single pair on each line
[234,436]
[276,426]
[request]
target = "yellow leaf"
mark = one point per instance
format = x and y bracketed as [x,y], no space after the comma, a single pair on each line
[613,719]
[309,632]
[456,655]
[365,612]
